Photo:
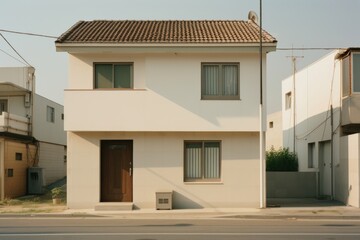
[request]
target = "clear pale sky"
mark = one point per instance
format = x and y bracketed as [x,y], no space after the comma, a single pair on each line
[295,23]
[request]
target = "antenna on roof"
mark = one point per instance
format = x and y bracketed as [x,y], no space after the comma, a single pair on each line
[252,16]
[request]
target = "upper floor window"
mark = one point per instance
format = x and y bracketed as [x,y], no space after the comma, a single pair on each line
[113,75]
[356,73]
[288,100]
[3,106]
[220,81]
[50,114]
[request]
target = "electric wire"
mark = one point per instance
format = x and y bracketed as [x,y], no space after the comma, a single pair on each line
[15,50]
[12,56]
[26,33]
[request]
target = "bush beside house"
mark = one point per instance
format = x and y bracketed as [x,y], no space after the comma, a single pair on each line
[281,160]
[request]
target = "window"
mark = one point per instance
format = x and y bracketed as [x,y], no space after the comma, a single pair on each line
[18,156]
[3,106]
[288,100]
[356,72]
[10,172]
[202,161]
[271,124]
[113,75]
[220,81]
[50,114]
[311,155]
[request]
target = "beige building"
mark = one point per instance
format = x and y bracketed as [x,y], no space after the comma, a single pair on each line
[155,106]
[31,135]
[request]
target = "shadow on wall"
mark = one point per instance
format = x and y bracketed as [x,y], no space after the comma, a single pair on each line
[180,202]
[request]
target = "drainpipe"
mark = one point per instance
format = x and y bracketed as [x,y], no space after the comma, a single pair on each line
[262,132]
[332,152]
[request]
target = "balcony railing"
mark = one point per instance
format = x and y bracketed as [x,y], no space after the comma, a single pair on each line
[14,124]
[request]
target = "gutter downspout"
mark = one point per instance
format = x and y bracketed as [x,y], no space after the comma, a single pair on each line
[262,132]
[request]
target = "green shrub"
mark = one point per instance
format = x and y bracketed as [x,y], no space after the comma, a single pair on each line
[281,160]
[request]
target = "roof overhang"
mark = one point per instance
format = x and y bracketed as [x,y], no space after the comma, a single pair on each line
[11,89]
[163,48]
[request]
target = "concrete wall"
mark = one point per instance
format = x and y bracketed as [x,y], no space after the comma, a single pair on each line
[51,159]
[291,185]
[166,95]
[54,132]
[20,76]
[158,164]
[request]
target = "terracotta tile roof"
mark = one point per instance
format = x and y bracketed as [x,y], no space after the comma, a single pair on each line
[182,31]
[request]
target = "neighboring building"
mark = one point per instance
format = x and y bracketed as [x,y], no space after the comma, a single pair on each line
[163,105]
[274,131]
[31,133]
[323,125]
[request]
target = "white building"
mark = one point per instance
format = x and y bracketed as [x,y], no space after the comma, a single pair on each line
[31,133]
[163,105]
[321,122]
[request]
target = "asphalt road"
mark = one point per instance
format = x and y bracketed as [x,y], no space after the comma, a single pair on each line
[209,229]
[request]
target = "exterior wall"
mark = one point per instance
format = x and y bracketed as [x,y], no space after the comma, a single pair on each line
[16,186]
[20,76]
[316,87]
[166,95]
[274,133]
[51,159]
[54,130]
[158,165]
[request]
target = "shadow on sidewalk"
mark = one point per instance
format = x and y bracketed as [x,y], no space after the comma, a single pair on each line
[301,202]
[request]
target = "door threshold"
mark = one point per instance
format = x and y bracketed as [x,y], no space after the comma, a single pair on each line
[114,206]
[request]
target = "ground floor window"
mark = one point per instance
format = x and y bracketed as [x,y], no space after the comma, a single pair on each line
[202,161]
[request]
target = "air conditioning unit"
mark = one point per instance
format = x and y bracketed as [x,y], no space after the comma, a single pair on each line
[164,200]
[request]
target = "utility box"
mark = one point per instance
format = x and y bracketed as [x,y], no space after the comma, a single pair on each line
[35,180]
[164,200]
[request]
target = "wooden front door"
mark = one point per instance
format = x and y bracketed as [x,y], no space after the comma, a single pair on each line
[116,170]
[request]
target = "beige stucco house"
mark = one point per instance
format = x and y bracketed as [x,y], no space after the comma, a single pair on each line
[32,137]
[155,106]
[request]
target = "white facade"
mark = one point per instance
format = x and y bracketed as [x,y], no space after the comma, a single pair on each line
[312,110]
[274,138]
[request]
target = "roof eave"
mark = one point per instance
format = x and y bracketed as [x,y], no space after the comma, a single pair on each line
[155,47]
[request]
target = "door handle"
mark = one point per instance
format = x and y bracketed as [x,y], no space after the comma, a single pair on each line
[130,171]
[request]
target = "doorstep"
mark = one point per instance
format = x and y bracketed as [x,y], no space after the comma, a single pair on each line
[114,206]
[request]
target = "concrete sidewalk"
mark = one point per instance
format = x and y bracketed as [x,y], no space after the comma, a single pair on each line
[284,209]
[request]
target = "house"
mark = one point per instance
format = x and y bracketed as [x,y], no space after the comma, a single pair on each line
[321,123]
[274,136]
[155,106]
[31,135]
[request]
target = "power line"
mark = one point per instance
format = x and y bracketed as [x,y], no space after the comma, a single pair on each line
[15,50]
[12,56]
[26,33]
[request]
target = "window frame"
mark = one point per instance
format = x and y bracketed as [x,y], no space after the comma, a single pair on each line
[113,69]
[352,73]
[202,179]
[18,156]
[52,116]
[288,100]
[219,97]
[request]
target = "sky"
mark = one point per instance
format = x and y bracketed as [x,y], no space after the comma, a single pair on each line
[294,23]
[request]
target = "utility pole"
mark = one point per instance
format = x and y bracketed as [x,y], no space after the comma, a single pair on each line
[293,59]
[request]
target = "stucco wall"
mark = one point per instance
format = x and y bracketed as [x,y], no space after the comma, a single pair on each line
[158,165]
[54,132]
[166,95]
[51,159]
